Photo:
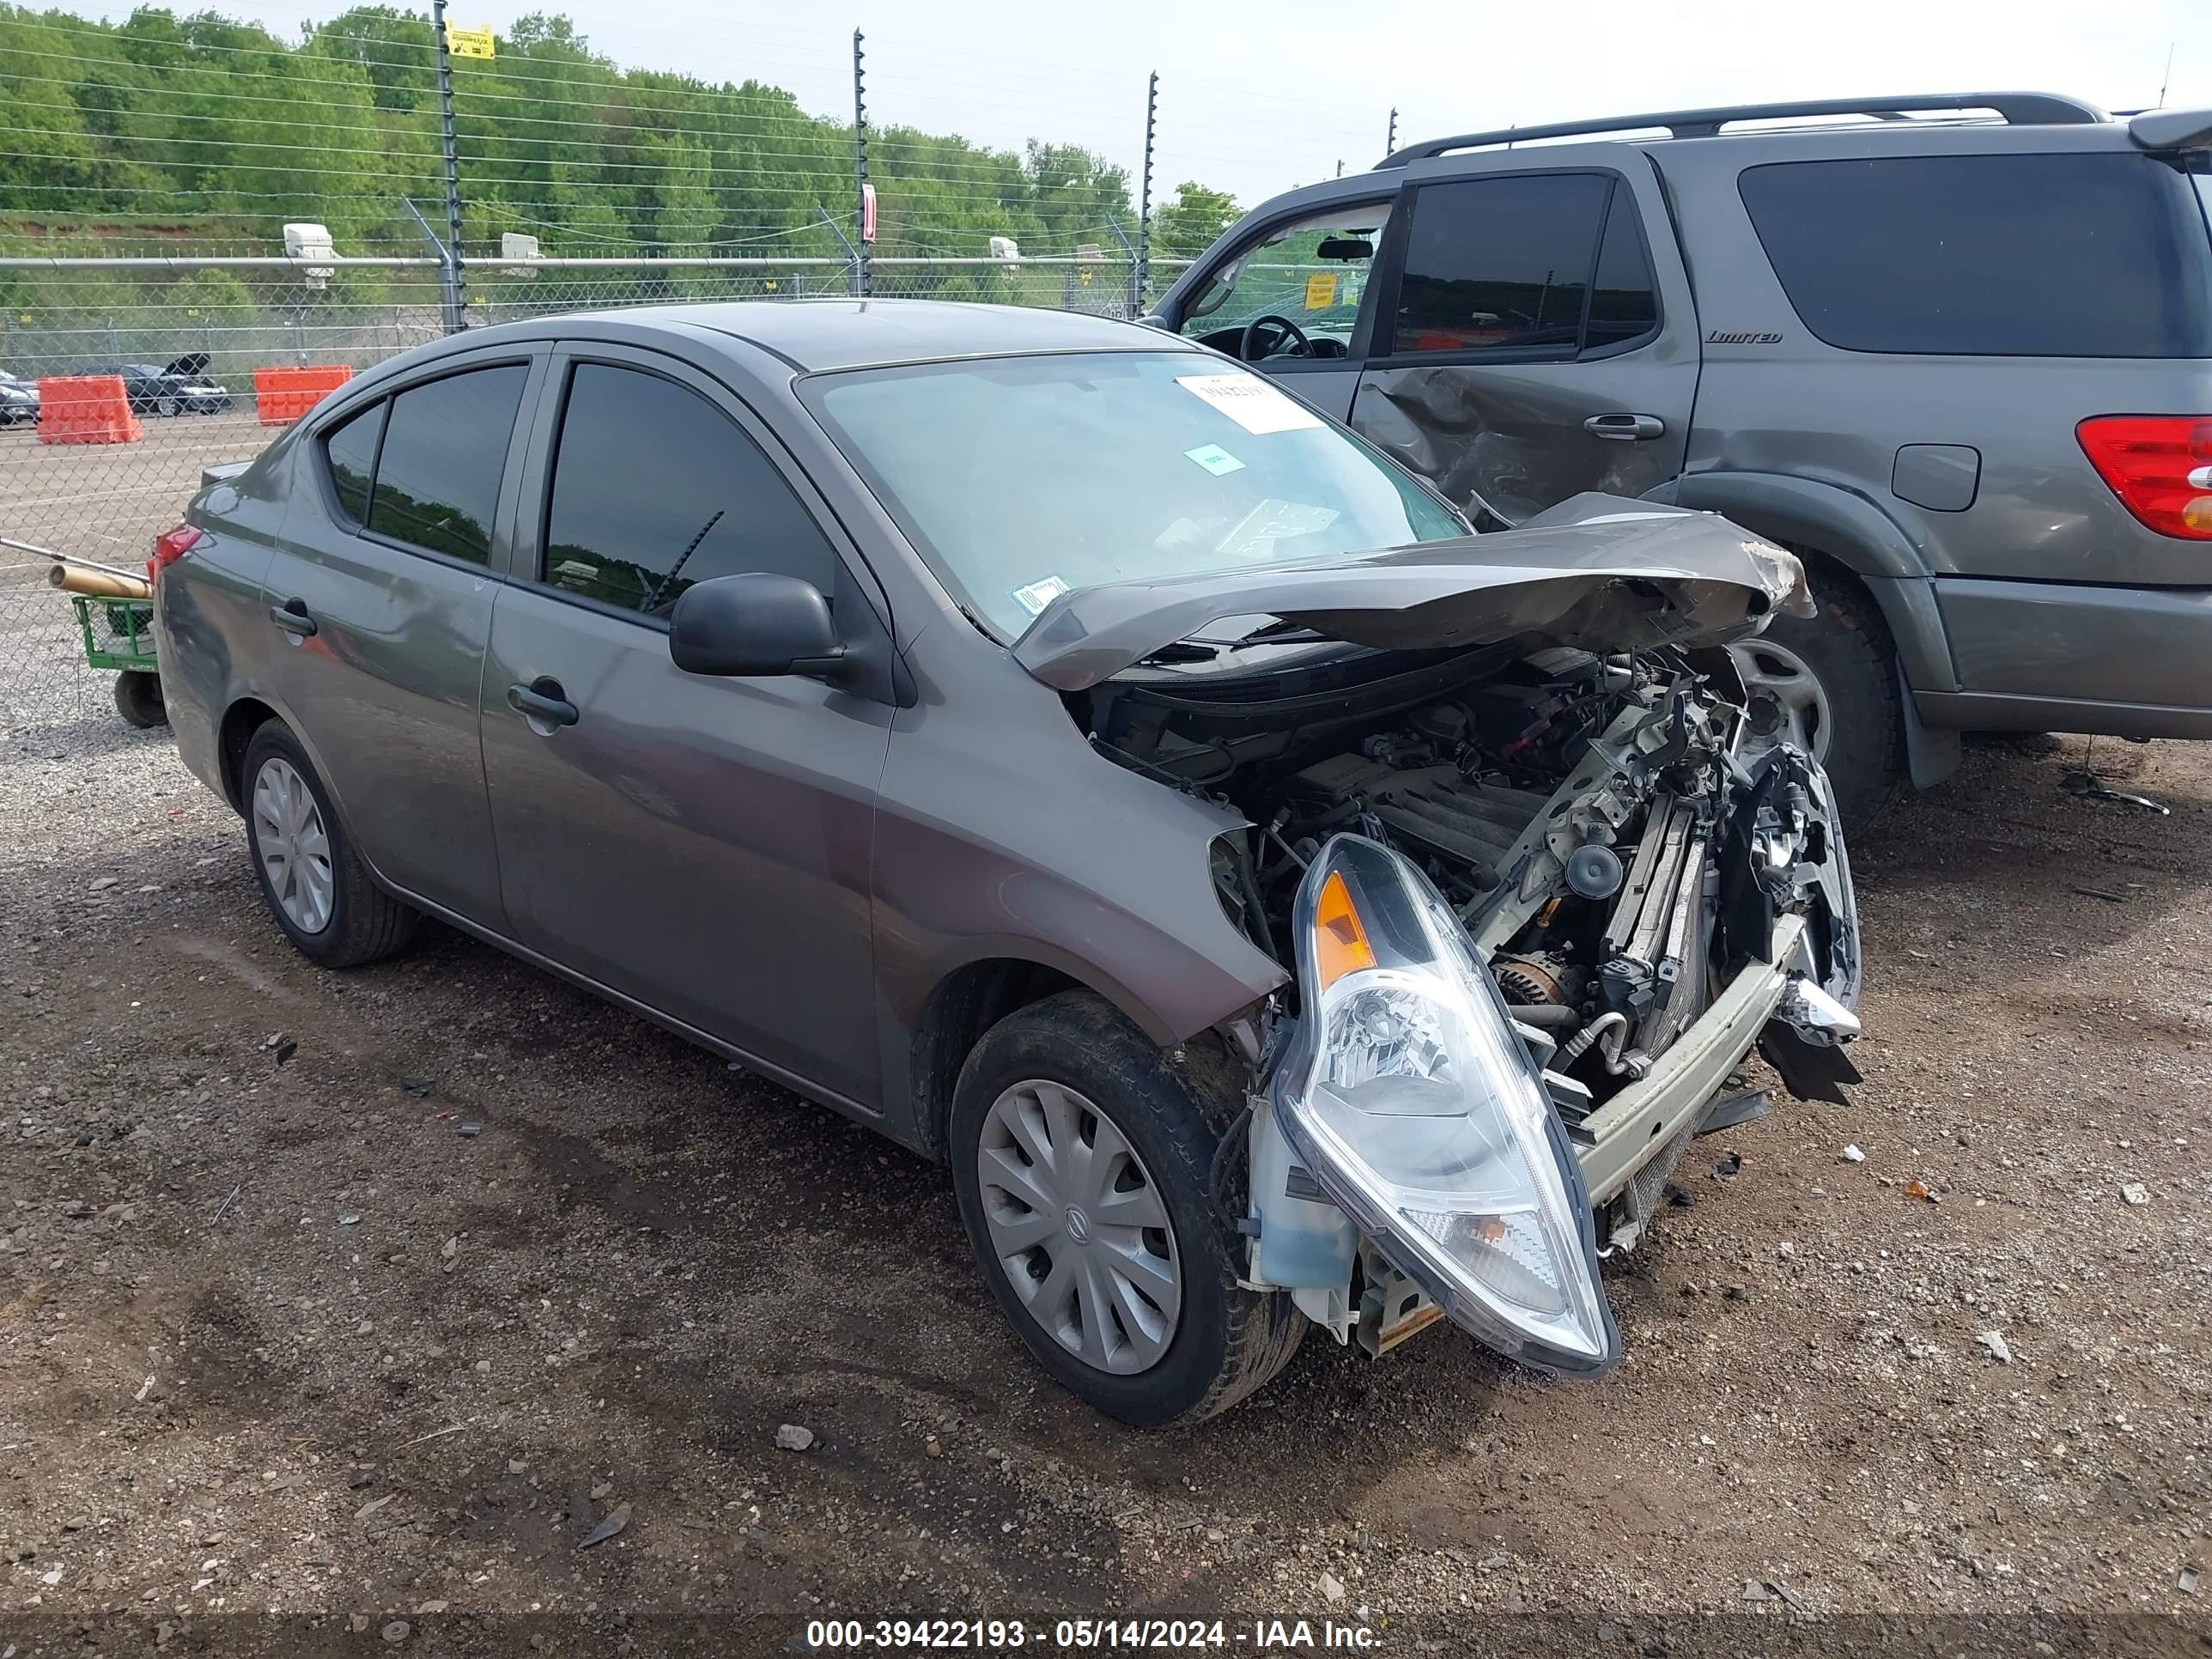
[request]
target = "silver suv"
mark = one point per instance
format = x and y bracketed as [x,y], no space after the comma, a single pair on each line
[1956,351]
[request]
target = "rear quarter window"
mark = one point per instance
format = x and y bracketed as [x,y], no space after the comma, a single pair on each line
[2015,256]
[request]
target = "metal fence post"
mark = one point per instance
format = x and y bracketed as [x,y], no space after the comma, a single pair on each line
[862,276]
[454,283]
[1390,144]
[1141,275]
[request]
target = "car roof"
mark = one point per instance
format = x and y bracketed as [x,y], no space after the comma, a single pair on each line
[812,335]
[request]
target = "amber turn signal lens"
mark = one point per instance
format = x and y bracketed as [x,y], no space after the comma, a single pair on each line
[1341,945]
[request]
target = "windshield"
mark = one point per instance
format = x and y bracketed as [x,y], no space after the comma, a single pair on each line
[1023,478]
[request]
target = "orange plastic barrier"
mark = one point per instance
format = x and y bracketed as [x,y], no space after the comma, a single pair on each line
[282,395]
[86,409]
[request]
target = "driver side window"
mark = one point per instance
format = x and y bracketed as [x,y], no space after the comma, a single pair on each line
[1311,274]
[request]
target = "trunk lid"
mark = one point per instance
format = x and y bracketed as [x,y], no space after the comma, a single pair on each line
[1596,572]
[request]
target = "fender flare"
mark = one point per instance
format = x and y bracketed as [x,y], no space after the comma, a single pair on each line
[1856,534]
[1874,547]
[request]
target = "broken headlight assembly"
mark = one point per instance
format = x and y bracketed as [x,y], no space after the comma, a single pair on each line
[1414,1104]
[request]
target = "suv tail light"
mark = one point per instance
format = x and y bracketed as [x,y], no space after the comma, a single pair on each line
[2158,466]
[170,546]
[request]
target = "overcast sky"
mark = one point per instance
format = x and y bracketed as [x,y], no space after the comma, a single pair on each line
[1256,95]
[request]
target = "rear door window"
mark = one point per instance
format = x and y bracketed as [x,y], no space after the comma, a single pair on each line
[438,472]
[654,490]
[350,449]
[1529,266]
[2014,256]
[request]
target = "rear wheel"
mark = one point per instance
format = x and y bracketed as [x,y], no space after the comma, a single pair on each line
[1834,676]
[317,889]
[138,699]
[1080,1156]
[165,406]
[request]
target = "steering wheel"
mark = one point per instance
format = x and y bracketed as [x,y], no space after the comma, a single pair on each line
[1285,331]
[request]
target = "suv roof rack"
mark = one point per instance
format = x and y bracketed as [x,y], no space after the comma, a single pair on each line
[2018,108]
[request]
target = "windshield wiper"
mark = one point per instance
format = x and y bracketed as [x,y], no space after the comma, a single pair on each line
[1180,651]
[1282,629]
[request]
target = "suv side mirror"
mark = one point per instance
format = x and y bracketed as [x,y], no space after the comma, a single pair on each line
[759,624]
[1154,320]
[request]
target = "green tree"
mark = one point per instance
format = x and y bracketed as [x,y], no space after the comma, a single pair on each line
[1186,226]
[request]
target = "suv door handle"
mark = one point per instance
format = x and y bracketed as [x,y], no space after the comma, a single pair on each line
[542,699]
[292,616]
[1626,428]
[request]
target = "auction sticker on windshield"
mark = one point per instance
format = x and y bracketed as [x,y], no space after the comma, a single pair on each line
[1039,594]
[1249,401]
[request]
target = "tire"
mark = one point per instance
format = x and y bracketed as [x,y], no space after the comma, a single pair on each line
[359,922]
[1847,649]
[164,407]
[138,700]
[1225,1342]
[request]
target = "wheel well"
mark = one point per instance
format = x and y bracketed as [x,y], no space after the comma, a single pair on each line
[1825,570]
[240,722]
[969,1002]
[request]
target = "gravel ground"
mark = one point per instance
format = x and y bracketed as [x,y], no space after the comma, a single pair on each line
[373,1296]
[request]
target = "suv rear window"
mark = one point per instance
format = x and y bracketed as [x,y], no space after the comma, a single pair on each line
[2009,256]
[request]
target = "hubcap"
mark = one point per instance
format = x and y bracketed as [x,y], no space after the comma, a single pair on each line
[1780,674]
[293,847]
[1079,1228]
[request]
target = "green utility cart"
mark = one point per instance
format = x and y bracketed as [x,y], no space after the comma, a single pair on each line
[119,634]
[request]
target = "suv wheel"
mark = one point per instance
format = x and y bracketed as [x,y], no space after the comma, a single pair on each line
[1080,1154]
[318,890]
[1835,679]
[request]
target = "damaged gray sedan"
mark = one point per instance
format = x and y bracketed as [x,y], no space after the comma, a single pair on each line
[1058,747]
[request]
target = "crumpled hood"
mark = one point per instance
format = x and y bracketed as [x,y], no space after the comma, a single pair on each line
[1597,571]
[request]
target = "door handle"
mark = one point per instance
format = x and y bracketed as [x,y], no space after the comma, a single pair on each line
[292,616]
[542,699]
[1626,428]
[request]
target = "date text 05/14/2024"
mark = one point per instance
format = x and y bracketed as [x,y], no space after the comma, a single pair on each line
[997,1635]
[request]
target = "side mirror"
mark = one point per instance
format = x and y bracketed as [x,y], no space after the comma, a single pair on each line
[1153,320]
[757,625]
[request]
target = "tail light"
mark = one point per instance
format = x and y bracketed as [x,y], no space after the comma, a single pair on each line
[2158,466]
[170,546]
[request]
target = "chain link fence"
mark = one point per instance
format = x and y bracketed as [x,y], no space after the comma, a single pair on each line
[190,335]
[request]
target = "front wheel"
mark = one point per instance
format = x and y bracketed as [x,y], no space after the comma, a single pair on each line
[1080,1153]
[318,890]
[1834,676]
[164,407]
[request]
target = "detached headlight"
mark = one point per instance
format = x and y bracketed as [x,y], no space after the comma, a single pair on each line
[1415,1105]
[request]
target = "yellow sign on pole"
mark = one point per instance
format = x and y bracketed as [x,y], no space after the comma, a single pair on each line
[468,43]
[1321,290]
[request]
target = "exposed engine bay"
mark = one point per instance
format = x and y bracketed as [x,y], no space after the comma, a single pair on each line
[1616,838]
[1613,833]
[1539,874]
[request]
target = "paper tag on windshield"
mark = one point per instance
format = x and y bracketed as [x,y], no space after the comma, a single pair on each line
[1253,404]
[1215,459]
[1039,594]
